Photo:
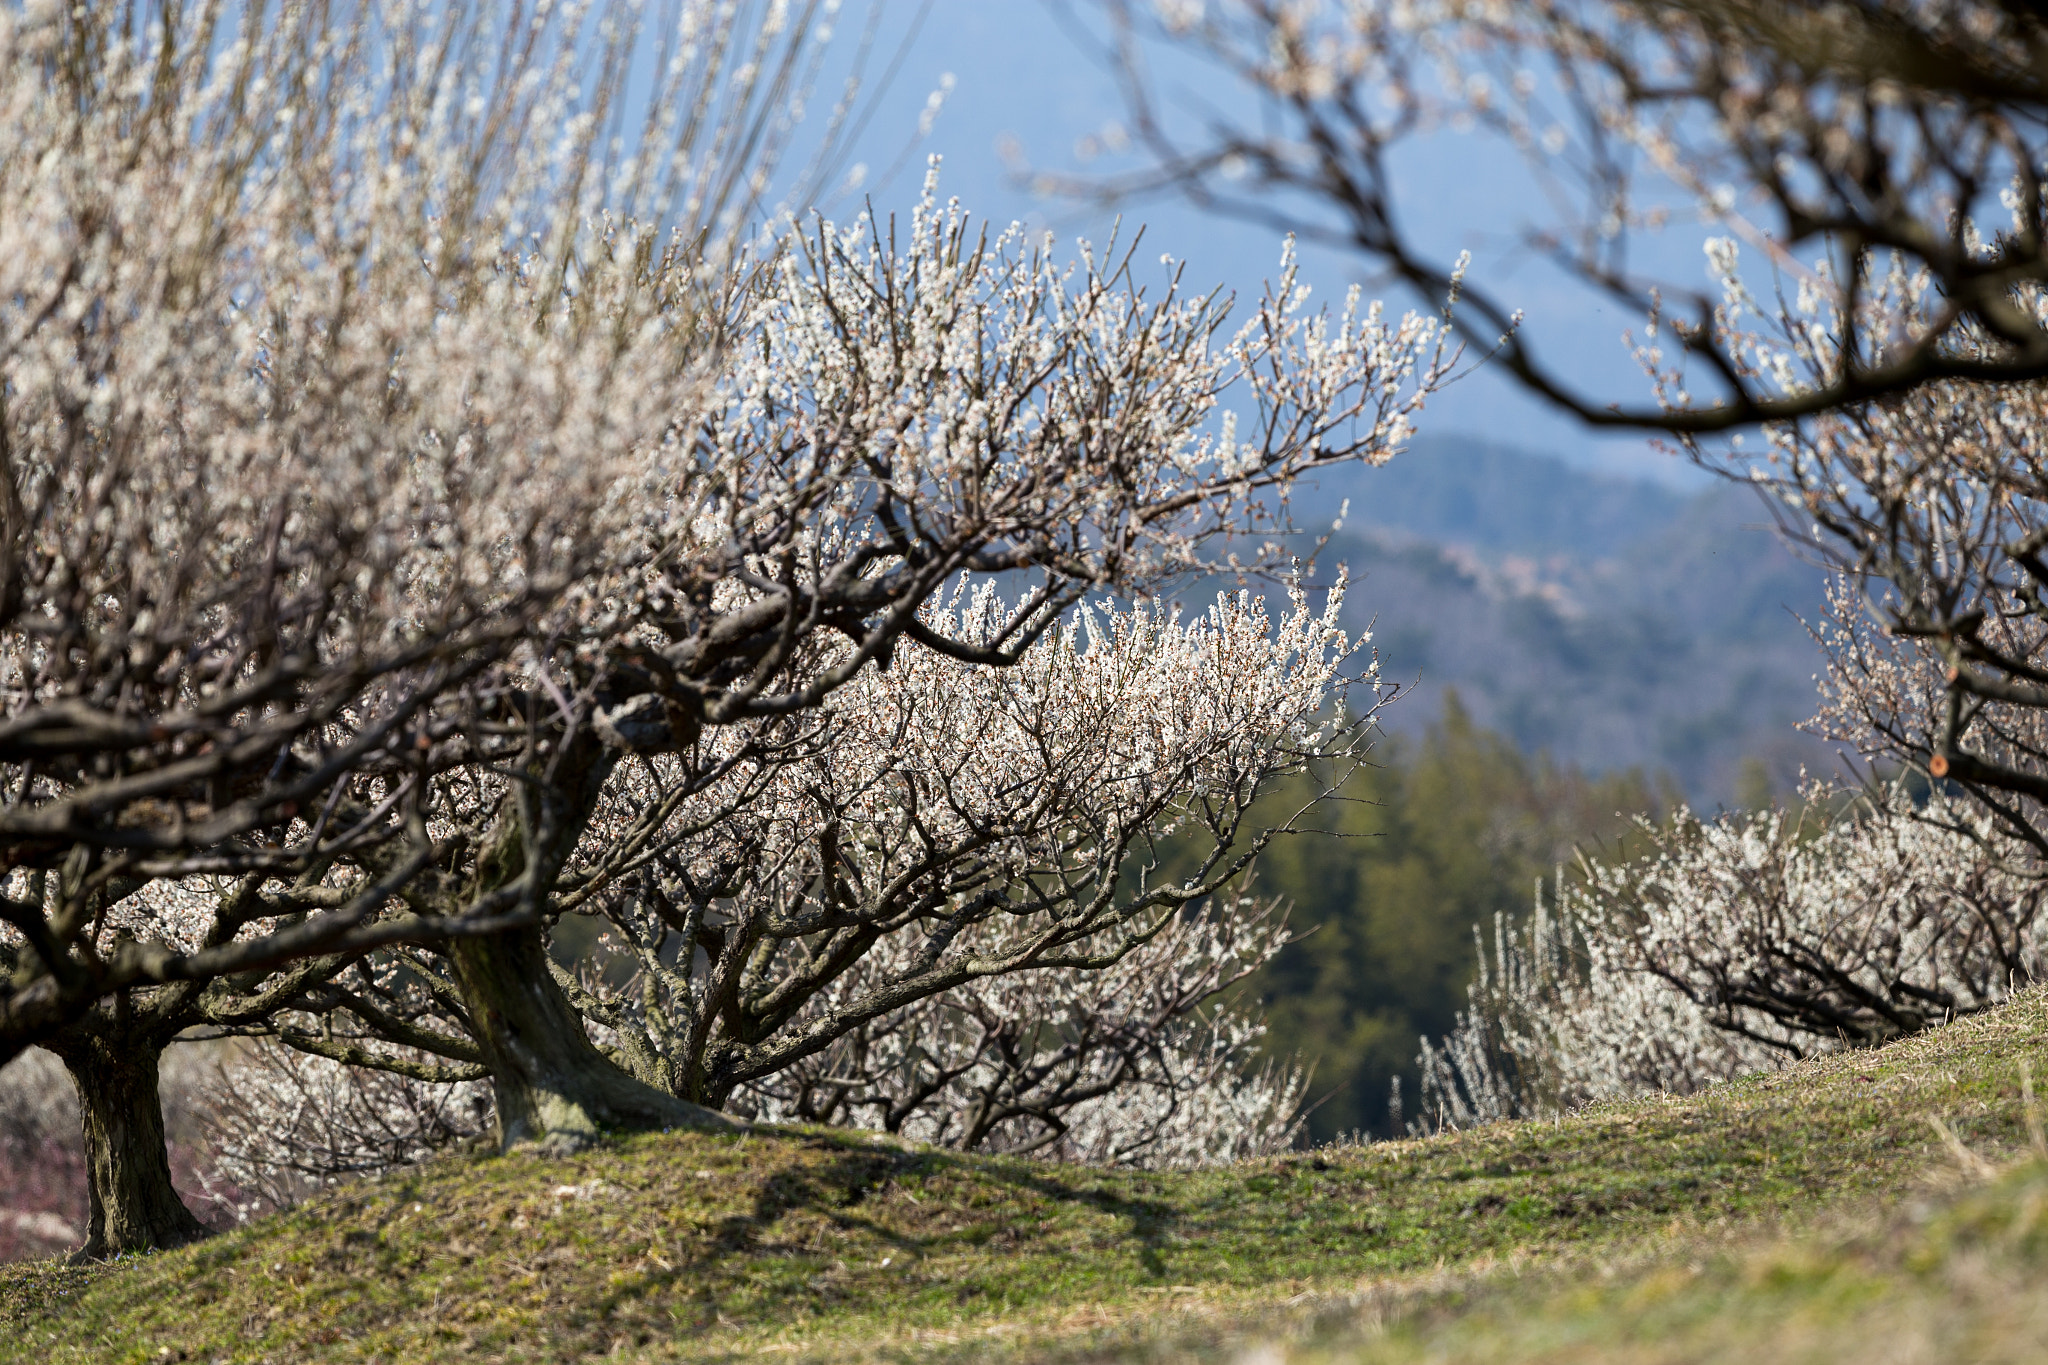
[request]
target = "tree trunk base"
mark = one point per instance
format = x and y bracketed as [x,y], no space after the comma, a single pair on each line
[554,1087]
[573,1112]
[134,1205]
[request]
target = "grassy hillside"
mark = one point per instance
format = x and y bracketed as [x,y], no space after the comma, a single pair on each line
[822,1245]
[1944,1280]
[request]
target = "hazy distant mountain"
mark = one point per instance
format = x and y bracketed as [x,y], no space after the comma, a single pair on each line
[1515,501]
[1614,623]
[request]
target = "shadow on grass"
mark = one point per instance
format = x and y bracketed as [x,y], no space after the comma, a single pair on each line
[839,1187]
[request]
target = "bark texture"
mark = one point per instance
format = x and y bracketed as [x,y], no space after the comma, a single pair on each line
[553,1085]
[134,1205]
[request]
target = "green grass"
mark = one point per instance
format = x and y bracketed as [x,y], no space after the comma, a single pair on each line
[827,1246]
[1959,1278]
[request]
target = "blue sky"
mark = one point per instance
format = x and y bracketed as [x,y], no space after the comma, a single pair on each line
[1021,78]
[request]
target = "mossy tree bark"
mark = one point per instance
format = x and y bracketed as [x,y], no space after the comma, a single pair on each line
[134,1205]
[552,1084]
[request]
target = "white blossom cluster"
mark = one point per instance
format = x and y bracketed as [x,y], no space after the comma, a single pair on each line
[1560,1018]
[964,841]
[318,418]
[975,400]
[1738,943]
[281,1125]
[1134,1064]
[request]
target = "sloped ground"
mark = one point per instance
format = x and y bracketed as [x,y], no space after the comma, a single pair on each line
[1958,1278]
[824,1245]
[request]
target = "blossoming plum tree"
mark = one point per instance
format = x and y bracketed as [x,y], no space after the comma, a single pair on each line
[933,880]
[1737,943]
[385,490]
[1811,129]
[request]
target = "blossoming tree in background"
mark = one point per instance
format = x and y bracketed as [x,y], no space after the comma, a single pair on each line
[953,912]
[1738,943]
[944,908]
[281,1125]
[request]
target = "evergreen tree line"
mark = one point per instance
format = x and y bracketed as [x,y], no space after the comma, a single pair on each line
[1440,834]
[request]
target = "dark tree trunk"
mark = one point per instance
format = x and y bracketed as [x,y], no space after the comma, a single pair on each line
[553,1085]
[134,1207]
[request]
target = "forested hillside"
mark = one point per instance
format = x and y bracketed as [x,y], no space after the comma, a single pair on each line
[1586,648]
[1449,828]
[1613,624]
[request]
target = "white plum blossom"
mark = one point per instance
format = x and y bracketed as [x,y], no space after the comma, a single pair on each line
[1739,943]
[960,841]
